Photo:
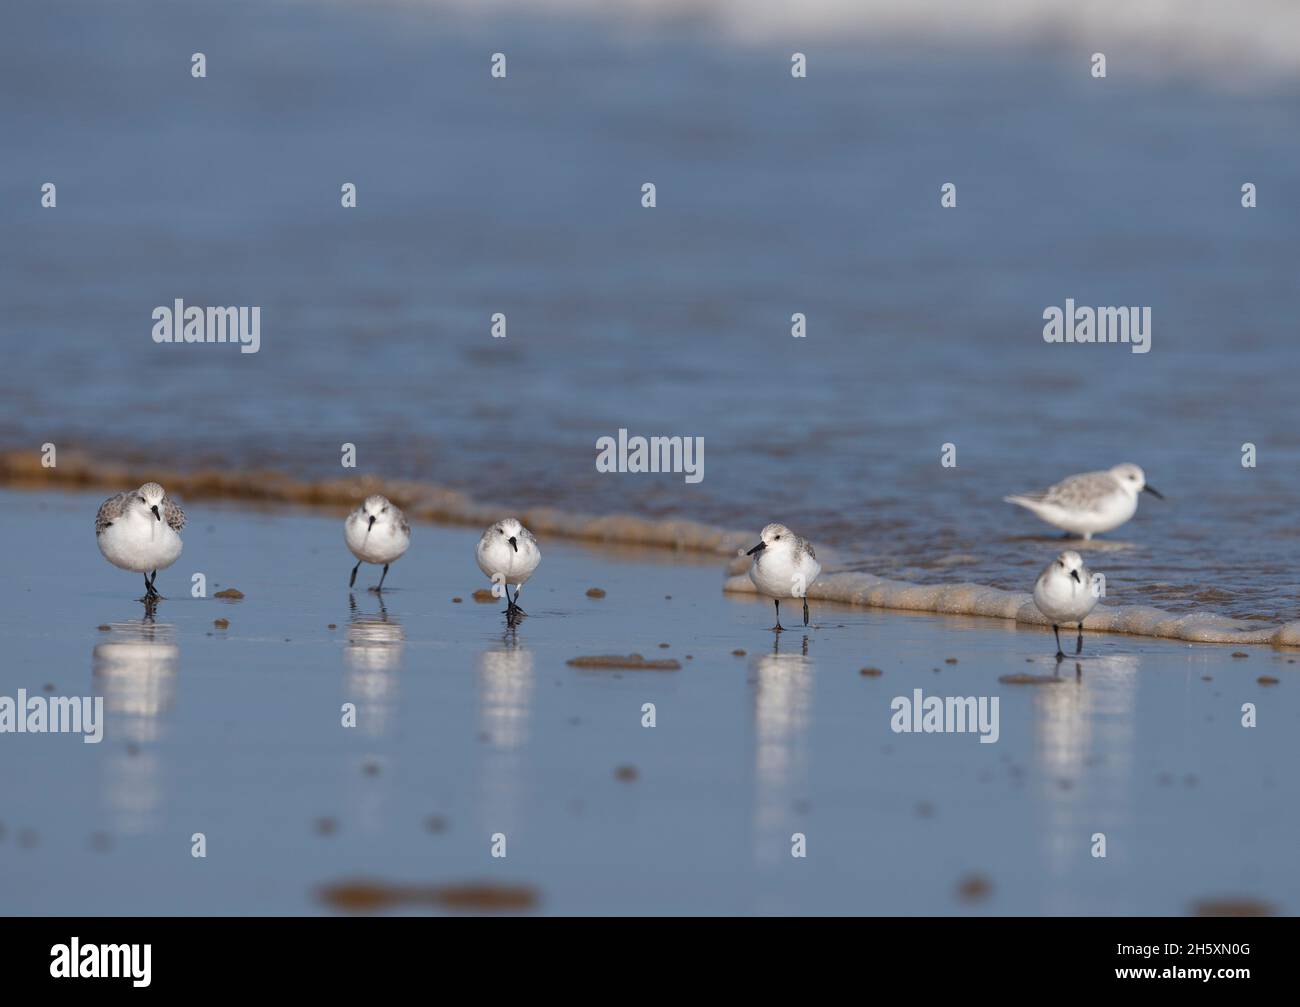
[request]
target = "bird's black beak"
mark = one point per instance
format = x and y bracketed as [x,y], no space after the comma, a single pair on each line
[758,548]
[514,543]
[154,508]
[1075,575]
[1153,491]
[372,522]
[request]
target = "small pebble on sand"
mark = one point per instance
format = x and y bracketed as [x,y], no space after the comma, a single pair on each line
[595,592]
[233,593]
[105,628]
[221,623]
[483,596]
[870,672]
[1266,680]
[974,888]
[626,774]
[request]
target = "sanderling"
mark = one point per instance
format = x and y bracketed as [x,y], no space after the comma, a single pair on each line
[376,532]
[138,531]
[784,567]
[508,554]
[1064,593]
[1089,502]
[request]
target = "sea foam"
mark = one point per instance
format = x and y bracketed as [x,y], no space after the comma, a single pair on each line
[868,590]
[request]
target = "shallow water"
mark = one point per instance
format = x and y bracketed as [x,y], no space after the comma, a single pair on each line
[236,733]
[775,196]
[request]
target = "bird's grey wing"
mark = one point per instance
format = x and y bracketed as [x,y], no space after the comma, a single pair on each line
[172,514]
[402,522]
[1082,492]
[807,547]
[110,510]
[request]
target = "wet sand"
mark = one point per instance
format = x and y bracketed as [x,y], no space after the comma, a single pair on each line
[465,731]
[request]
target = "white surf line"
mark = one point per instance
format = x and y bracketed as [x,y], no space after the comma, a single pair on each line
[869,591]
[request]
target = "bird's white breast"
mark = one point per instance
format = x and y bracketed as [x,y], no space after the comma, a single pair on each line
[777,574]
[497,558]
[383,543]
[139,542]
[1062,598]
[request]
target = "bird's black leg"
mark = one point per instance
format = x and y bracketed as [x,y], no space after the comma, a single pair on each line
[519,588]
[1078,647]
[353,580]
[1060,654]
[805,611]
[380,586]
[148,589]
[778,628]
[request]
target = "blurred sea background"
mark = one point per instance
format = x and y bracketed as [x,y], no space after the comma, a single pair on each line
[775,196]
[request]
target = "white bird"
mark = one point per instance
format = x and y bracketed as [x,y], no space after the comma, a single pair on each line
[508,554]
[1091,501]
[139,531]
[1064,594]
[784,567]
[376,532]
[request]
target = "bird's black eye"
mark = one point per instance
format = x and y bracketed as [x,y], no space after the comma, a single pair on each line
[142,499]
[778,537]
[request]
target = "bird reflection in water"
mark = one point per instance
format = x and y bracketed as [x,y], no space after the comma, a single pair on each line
[135,670]
[1083,752]
[373,656]
[783,687]
[505,677]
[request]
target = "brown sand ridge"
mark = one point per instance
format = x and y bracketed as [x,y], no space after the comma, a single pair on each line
[363,896]
[422,501]
[632,662]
